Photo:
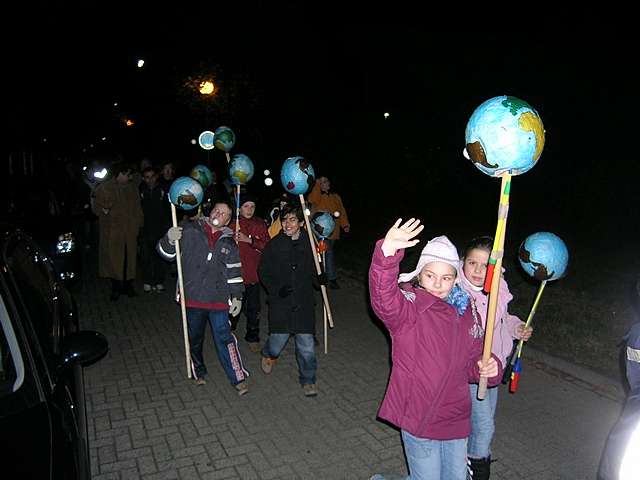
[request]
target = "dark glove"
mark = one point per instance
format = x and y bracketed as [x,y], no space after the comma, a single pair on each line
[285,291]
[322,279]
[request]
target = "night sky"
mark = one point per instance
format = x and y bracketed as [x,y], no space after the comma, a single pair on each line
[319,85]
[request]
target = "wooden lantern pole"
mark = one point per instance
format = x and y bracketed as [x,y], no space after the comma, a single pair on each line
[183,308]
[323,288]
[494,274]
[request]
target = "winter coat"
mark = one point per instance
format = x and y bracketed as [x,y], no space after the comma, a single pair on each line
[504,327]
[626,431]
[329,202]
[156,210]
[119,228]
[212,276]
[250,253]
[434,354]
[289,263]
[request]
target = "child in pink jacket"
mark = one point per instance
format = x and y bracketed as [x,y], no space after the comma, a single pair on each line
[507,327]
[436,351]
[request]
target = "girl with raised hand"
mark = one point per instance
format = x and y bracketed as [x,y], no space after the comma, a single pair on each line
[436,351]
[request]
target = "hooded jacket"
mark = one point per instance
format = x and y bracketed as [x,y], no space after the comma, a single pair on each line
[504,327]
[434,354]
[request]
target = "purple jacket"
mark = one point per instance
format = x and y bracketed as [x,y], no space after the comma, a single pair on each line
[434,356]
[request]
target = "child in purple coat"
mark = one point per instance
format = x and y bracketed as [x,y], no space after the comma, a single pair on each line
[436,351]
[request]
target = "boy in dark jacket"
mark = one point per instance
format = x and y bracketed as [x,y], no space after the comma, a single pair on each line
[212,282]
[287,272]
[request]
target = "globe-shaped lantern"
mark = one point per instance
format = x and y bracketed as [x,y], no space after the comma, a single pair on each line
[297,175]
[225,139]
[240,169]
[202,174]
[544,256]
[322,224]
[504,135]
[206,140]
[186,193]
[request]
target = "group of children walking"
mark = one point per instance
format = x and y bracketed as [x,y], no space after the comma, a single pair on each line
[225,266]
[436,317]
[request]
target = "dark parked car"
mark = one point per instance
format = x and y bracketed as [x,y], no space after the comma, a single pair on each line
[43,430]
[57,228]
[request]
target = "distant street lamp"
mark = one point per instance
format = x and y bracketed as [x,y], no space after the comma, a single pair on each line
[140,63]
[206,87]
[386,115]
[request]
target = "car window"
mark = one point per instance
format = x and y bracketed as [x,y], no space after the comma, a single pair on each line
[11,366]
[32,274]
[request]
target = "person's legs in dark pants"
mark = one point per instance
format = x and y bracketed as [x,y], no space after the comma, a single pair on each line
[116,289]
[330,264]
[147,250]
[197,319]
[153,267]
[127,282]
[251,308]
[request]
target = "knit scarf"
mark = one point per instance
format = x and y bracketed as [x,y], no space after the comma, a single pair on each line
[458,299]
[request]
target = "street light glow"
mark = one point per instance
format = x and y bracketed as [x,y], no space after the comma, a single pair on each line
[206,87]
[386,115]
[140,63]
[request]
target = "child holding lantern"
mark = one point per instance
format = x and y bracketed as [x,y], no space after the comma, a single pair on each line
[437,350]
[506,328]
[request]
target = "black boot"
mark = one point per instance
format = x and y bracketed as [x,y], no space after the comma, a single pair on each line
[128,288]
[116,290]
[480,468]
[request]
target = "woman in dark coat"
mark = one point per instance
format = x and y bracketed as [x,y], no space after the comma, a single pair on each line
[287,272]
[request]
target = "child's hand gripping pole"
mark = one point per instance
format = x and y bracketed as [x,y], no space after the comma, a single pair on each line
[515,358]
[496,262]
[323,289]
[183,308]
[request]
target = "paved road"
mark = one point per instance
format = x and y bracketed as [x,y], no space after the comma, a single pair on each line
[148,421]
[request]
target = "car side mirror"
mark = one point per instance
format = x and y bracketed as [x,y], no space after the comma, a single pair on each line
[83,348]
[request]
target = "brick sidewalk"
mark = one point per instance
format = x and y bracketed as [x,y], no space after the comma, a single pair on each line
[146,420]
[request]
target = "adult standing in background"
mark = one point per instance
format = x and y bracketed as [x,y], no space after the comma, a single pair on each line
[117,206]
[167,175]
[323,199]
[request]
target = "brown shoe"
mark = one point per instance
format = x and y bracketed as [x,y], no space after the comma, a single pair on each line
[267,364]
[201,381]
[310,390]
[242,388]
[254,346]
